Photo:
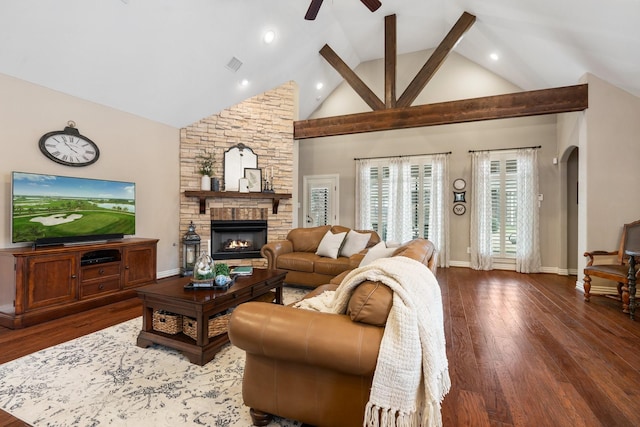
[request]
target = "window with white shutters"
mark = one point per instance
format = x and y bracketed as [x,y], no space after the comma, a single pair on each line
[319,205]
[420,197]
[504,170]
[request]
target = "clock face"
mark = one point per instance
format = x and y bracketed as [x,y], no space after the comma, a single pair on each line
[69,149]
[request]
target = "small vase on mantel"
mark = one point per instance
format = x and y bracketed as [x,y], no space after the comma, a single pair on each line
[205,184]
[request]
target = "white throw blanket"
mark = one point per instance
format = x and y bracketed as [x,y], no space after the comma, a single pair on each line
[412,374]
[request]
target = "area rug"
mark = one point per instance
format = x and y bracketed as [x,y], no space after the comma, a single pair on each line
[105,379]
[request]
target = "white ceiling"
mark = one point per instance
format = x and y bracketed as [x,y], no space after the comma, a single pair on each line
[165,60]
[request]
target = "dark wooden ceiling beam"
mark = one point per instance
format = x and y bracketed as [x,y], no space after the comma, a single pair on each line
[352,78]
[435,60]
[390,47]
[521,104]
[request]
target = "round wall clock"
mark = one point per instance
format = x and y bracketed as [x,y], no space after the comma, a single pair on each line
[459,209]
[68,147]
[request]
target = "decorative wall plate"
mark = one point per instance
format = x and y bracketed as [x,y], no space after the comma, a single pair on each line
[459,197]
[459,209]
[459,184]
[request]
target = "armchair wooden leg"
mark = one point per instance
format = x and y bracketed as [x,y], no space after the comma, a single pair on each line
[587,288]
[260,418]
[625,298]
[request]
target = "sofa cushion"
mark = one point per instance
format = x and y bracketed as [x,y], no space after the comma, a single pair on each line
[331,266]
[354,243]
[378,251]
[297,261]
[330,244]
[307,239]
[370,303]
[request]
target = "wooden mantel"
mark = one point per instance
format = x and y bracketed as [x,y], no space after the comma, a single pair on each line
[204,195]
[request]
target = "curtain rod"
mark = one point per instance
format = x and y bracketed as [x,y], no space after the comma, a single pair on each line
[504,149]
[393,157]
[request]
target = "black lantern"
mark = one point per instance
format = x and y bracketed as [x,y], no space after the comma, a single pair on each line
[190,250]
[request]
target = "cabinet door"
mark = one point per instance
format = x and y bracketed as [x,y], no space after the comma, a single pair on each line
[51,280]
[139,265]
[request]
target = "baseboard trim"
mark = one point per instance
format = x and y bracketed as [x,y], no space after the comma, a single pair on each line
[168,273]
[512,267]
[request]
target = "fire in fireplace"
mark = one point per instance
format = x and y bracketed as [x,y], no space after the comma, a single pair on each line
[237,245]
[236,239]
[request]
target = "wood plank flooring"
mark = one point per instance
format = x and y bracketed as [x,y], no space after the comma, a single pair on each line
[524,350]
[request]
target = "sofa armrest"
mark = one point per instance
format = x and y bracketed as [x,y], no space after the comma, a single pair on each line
[290,334]
[272,250]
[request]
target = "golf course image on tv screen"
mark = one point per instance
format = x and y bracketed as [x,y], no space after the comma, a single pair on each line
[60,207]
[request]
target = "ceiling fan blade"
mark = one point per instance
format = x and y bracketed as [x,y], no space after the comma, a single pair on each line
[373,5]
[312,12]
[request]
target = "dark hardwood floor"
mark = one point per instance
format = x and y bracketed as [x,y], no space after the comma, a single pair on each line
[524,350]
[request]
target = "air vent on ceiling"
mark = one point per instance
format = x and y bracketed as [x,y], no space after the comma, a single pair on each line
[234,64]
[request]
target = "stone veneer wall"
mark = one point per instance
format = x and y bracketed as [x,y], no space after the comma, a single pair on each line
[263,123]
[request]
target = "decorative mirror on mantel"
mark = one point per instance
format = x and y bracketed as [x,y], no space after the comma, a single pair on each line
[236,159]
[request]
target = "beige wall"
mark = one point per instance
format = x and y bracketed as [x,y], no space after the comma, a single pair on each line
[458,78]
[608,167]
[131,149]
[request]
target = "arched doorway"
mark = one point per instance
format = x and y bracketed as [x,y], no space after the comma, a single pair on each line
[570,159]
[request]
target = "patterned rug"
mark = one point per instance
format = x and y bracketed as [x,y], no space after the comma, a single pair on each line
[105,379]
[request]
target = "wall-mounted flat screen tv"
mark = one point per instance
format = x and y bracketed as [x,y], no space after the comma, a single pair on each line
[53,209]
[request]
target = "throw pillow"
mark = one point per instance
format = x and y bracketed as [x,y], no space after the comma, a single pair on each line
[378,251]
[354,243]
[330,244]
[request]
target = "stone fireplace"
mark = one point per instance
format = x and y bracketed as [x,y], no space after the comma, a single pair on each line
[265,124]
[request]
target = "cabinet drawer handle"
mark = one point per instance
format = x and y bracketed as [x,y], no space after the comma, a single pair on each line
[73,276]
[101,271]
[126,267]
[101,286]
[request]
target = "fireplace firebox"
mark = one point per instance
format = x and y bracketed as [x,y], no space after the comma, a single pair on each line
[237,239]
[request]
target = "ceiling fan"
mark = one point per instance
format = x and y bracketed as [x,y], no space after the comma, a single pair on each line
[314,7]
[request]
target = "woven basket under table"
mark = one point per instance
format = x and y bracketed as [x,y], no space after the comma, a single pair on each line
[217,324]
[169,323]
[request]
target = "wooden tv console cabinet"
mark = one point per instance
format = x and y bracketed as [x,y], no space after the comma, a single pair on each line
[37,285]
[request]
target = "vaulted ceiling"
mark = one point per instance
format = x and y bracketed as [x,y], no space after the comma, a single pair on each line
[168,60]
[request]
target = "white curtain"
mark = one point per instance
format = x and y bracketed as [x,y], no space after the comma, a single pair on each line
[439,207]
[399,223]
[481,211]
[527,244]
[363,185]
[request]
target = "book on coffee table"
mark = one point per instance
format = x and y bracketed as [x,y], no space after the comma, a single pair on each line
[242,270]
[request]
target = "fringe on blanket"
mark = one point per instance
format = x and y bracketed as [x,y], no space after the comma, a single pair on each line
[376,416]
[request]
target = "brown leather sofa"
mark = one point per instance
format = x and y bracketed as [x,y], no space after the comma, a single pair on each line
[315,367]
[297,255]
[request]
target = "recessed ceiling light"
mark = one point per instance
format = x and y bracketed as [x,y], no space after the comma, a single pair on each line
[319,85]
[244,82]
[269,36]
[494,56]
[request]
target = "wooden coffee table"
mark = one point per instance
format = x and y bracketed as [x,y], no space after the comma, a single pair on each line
[201,304]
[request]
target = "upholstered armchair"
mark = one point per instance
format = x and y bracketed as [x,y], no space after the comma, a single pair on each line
[617,270]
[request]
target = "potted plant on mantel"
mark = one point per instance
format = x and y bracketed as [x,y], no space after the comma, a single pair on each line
[206,170]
